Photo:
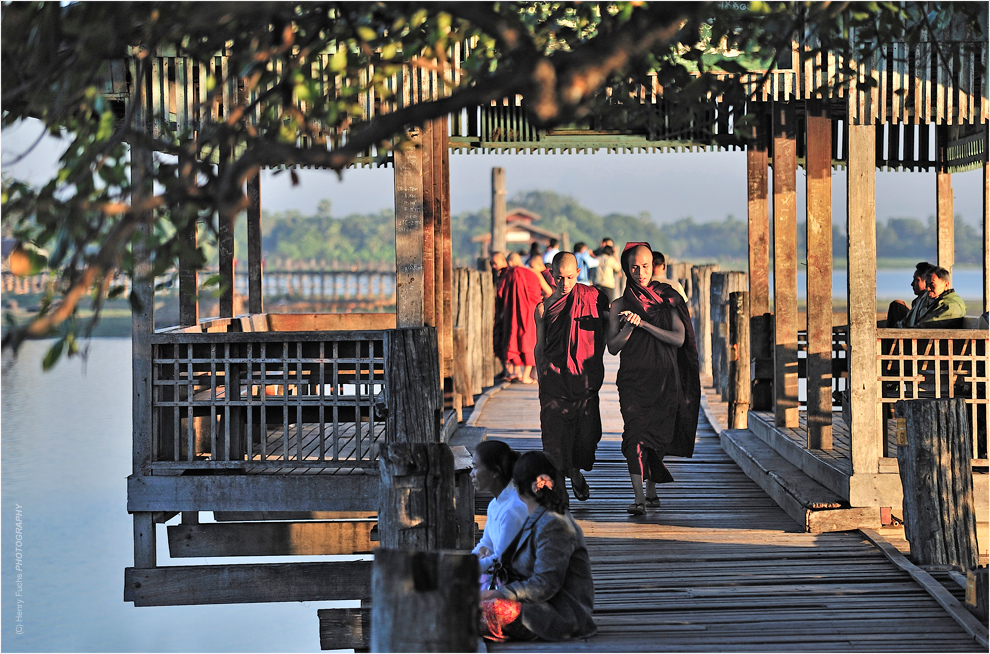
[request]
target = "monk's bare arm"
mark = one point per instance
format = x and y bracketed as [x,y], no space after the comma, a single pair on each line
[673,336]
[541,336]
[618,328]
[547,291]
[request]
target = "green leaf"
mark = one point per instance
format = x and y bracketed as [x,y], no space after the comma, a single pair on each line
[53,355]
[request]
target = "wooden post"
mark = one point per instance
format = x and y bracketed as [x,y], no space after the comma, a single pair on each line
[934,453]
[416,499]
[944,220]
[498,210]
[722,285]
[761,361]
[424,601]
[462,381]
[430,228]
[188,281]
[785,377]
[986,234]
[757,162]
[739,380]
[256,302]
[701,313]
[225,245]
[819,276]
[412,386]
[864,410]
[142,327]
[409,289]
[445,308]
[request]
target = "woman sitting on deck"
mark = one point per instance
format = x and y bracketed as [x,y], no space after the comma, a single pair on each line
[549,594]
[492,473]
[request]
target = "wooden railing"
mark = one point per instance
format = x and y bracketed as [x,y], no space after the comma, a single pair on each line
[367,286]
[266,393]
[937,363]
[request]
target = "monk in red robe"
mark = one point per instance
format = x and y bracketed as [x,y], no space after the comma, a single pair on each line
[571,326]
[519,291]
[499,264]
[658,381]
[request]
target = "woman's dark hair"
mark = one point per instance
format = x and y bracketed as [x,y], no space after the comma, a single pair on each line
[497,457]
[609,250]
[528,468]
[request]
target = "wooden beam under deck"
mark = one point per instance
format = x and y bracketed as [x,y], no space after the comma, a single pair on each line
[244,583]
[340,537]
[312,492]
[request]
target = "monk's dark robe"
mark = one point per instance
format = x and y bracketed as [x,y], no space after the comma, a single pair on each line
[518,293]
[548,276]
[659,385]
[572,372]
[499,310]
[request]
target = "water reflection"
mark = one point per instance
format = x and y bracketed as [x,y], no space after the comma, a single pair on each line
[66,453]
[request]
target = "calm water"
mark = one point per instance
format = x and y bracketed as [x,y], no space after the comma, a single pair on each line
[896,284]
[66,448]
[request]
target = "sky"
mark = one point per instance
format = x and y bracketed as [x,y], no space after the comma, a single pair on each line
[667,186]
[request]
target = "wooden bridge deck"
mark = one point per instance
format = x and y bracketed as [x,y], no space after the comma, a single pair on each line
[719,567]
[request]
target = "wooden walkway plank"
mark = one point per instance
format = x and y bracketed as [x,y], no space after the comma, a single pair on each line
[719,566]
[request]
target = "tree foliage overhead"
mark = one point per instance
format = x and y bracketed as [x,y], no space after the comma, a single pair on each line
[558,56]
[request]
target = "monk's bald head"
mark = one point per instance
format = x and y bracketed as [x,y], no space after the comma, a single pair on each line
[564,262]
[514,259]
[498,261]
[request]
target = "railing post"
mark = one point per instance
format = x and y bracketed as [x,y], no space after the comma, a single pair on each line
[738,355]
[934,456]
[701,313]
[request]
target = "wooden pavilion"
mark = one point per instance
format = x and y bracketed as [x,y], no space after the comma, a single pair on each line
[273,422]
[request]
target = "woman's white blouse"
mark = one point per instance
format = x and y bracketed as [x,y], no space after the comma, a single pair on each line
[506,515]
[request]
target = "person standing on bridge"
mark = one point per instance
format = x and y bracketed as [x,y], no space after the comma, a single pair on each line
[659,382]
[518,292]
[571,326]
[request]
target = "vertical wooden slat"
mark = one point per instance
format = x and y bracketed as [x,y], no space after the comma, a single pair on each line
[225,244]
[188,281]
[865,434]
[785,265]
[409,231]
[255,271]
[819,277]
[758,210]
[945,245]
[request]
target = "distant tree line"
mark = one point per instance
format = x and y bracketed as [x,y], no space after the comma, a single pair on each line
[370,238]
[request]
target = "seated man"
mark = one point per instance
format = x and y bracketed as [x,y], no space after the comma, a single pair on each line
[898,313]
[948,309]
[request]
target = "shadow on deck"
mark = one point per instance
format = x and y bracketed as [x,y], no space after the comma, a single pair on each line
[719,566]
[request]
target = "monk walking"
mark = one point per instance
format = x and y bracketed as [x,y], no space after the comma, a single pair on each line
[571,326]
[658,380]
[518,292]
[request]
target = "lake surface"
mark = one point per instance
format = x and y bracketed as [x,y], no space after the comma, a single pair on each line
[64,527]
[895,284]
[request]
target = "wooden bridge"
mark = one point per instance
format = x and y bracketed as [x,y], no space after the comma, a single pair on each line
[720,567]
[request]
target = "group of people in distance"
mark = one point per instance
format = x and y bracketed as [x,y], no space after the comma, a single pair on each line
[549,592]
[936,304]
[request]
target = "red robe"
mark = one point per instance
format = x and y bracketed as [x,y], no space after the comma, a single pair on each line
[518,293]
[574,331]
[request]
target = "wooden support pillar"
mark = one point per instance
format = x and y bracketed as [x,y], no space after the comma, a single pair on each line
[944,220]
[142,327]
[409,289]
[757,162]
[424,601]
[188,281]
[225,245]
[412,386]
[701,313]
[723,284]
[986,234]
[256,302]
[445,262]
[864,410]
[739,378]
[934,463]
[498,210]
[785,265]
[416,497]
[819,277]
[430,227]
